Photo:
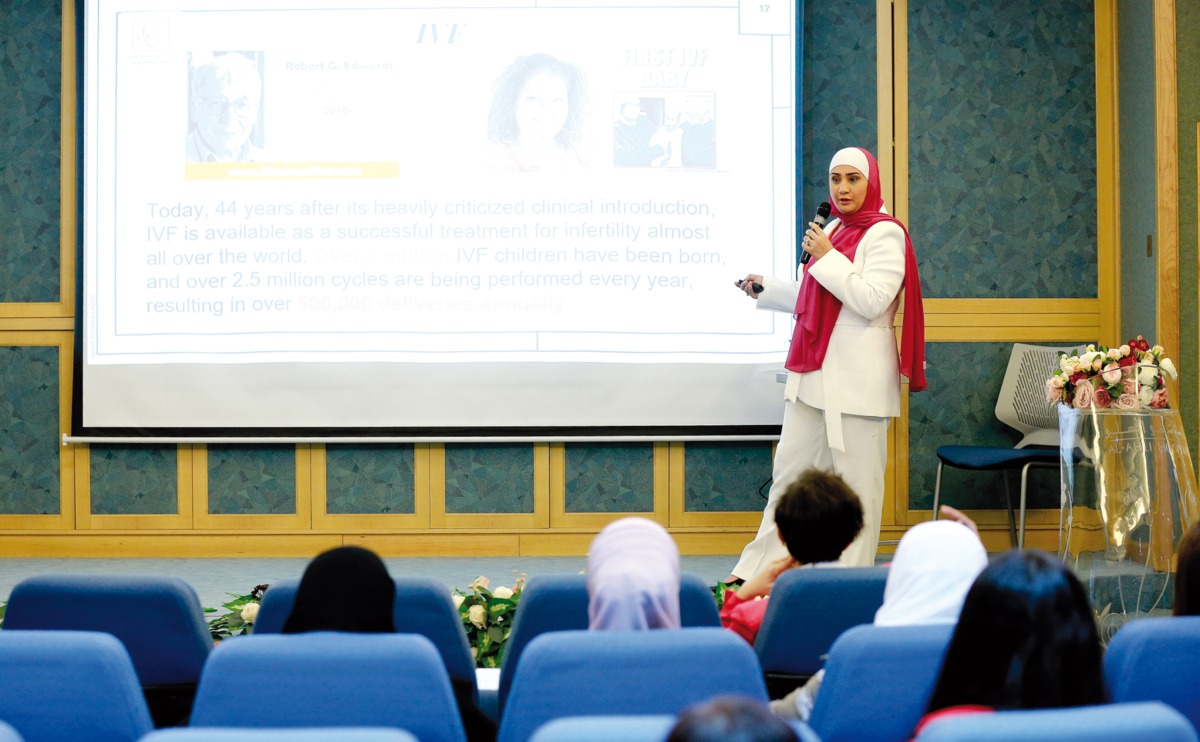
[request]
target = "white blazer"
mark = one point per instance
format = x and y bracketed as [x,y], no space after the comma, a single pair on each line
[860,374]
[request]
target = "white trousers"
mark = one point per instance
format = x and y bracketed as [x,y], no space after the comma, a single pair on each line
[803,445]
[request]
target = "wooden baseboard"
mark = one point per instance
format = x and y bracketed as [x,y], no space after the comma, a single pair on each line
[413,543]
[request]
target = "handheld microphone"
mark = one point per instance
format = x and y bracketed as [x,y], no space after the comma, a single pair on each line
[819,220]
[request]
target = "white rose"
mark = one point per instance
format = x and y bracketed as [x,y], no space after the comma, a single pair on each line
[502,592]
[1126,350]
[250,612]
[458,600]
[1114,354]
[478,615]
[1146,376]
[1112,373]
[1169,368]
[1145,394]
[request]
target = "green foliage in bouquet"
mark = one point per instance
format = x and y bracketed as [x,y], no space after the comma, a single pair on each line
[487,616]
[239,616]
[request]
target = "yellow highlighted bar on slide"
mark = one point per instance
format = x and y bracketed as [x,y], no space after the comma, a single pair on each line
[289,170]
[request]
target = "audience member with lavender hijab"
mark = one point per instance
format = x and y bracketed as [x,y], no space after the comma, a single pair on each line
[633,577]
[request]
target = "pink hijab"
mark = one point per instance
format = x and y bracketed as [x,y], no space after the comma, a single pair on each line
[633,577]
[817,310]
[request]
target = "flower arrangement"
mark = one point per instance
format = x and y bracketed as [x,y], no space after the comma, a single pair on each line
[487,616]
[239,615]
[1129,377]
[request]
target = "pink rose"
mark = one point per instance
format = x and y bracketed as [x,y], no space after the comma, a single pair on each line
[1083,396]
[1129,386]
[1111,373]
[1053,392]
[1101,398]
[1159,400]
[1128,401]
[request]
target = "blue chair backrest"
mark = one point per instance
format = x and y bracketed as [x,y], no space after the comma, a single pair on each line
[590,673]
[242,734]
[423,606]
[66,686]
[158,619]
[614,728]
[809,609]
[622,728]
[560,603]
[1115,722]
[697,605]
[878,682]
[328,679]
[1155,659]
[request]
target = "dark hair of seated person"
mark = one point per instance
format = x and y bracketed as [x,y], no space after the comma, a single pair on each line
[1187,577]
[1026,639]
[349,589]
[731,719]
[344,589]
[818,516]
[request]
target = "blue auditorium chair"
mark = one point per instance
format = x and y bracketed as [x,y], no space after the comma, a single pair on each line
[70,686]
[560,603]
[242,734]
[158,619]
[650,728]
[1118,722]
[808,610]
[618,728]
[1155,659]
[878,682]
[597,673]
[329,679]
[422,606]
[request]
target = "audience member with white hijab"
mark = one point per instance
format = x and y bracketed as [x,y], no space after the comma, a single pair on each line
[933,568]
[633,577]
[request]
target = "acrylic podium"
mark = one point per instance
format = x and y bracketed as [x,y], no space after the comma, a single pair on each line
[1125,504]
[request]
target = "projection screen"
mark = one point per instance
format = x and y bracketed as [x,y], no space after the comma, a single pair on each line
[406,217]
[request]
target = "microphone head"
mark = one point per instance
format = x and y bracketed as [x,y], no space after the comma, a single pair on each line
[822,213]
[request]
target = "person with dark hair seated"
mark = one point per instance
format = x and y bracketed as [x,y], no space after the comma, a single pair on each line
[1026,639]
[1187,575]
[730,719]
[344,589]
[817,518]
[349,589]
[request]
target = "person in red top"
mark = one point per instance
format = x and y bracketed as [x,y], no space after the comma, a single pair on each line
[817,518]
[1026,639]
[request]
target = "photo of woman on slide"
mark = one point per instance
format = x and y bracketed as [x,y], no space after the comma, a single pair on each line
[538,107]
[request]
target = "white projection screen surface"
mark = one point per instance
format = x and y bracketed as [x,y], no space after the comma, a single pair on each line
[396,217]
